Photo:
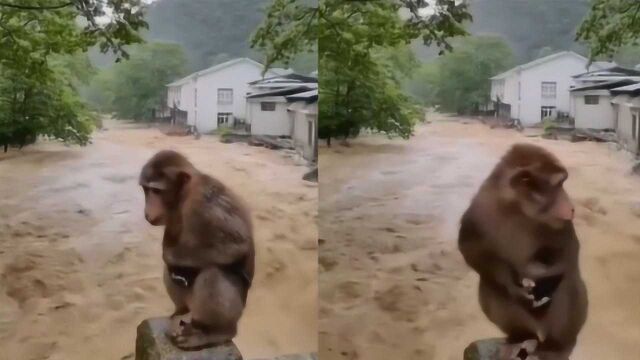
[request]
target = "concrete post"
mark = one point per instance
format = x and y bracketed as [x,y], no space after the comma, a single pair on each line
[152,344]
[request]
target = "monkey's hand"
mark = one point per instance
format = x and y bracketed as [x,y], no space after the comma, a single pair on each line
[529,287]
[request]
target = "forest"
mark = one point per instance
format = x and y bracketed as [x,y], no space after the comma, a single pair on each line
[58,73]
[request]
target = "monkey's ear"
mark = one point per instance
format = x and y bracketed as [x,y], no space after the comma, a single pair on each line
[177,175]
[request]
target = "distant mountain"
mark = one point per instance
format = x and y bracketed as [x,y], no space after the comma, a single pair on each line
[531,27]
[210,31]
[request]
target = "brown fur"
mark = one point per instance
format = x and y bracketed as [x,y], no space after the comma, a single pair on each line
[208,232]
[507,235]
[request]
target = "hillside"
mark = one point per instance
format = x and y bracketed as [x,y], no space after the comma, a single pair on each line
[531,27]
[210,31]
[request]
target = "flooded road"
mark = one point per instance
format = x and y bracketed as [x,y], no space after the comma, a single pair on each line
[80,267]
[392,283]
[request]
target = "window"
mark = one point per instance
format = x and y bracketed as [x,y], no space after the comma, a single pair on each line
[310,130]
[634,126]
[548,90]
[519,90]
[591,99]
[268,106]
[547,112]
[225,96]
[195,97]
[224,118]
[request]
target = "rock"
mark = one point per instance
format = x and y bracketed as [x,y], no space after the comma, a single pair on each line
[487,349]
[311,176]
[152,344]
[636,169]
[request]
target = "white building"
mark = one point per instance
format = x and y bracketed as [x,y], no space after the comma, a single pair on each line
[591,97]
[539,89]
[626,103]
[609,99]
[268,103]
[216,96]
[303,112]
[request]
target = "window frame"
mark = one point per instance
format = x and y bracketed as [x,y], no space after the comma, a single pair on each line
[596,97]
[224,100]
[263,103]
[227,116]
[549,85]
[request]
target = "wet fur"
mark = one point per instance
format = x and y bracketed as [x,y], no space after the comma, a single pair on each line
[504,245]
[208,238]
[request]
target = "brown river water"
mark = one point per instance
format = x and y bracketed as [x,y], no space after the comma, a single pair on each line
[80,267]
[392,283]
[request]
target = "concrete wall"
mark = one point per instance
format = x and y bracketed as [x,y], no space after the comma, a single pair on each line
[587,116]
[560,71]
[276,123]
[507,90]
[305,119]
[236,77]
[625,127]
[204,113]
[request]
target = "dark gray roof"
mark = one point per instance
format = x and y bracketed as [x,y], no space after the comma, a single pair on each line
[612,71]
[608,85]
[308,96]
[633,89]
[287,78]
[280,92]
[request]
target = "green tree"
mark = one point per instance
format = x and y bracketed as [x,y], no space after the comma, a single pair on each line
[133,88]
[610,25]
[423,85]
[41,65]
[461,79]
[359,84]
[110,33]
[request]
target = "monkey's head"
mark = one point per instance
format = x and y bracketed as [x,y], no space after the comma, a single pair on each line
[532,179]
[163,179]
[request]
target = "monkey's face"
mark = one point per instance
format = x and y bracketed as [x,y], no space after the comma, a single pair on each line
[541,196]
[154,208]
[163,180]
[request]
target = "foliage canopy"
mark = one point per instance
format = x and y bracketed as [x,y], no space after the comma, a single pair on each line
[457,81]
[133,88]
[611,25]
[359,82]
[41,63]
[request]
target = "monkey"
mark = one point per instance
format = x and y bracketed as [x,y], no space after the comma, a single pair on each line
[518,235]
[207,248]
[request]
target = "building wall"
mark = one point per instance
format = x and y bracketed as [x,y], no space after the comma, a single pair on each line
[204,114]
[560,71]
[187,100]
[625,127]
[305,119]
[507,90]
[173,95]
[234,77]
[275,123]
[587,116]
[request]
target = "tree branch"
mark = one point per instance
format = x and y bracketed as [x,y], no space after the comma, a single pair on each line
[44,7]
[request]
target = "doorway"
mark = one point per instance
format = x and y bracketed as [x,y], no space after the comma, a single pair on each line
[547,112]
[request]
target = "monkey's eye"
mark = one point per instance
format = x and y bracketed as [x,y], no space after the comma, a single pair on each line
[156,191]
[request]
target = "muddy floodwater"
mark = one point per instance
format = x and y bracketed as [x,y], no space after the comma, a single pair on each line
[392,283]
[80,267]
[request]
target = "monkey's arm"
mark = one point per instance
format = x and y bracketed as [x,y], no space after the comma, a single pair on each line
[215,238]
[491,267]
